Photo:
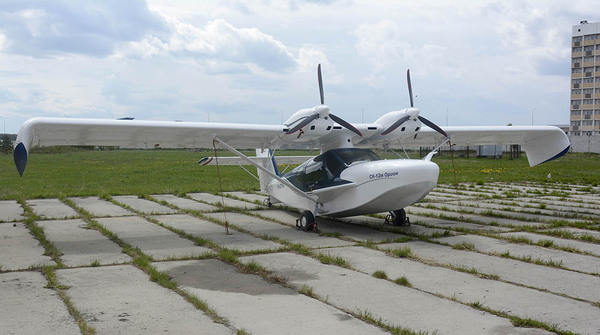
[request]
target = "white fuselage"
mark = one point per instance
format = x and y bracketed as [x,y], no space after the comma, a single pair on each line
[374,187]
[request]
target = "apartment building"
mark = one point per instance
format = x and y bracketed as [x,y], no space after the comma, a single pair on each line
[585,80]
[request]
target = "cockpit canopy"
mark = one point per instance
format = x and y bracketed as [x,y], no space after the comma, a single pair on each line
[324,170]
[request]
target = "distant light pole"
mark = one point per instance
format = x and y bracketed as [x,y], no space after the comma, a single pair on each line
[533,110]
[4,121]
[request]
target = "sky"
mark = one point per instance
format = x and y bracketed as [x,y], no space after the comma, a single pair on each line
[473,63]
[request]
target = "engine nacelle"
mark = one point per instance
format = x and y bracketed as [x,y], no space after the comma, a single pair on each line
[408,129]
[315,129]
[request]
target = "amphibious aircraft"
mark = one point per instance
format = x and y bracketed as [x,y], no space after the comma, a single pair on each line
[345,179]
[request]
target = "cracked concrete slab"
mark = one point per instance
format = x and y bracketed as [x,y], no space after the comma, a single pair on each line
[216,233]
[121,300]
[10,210]
[568,314]
[218,201]
[266,228]
[51,209]
[184,203]
[100,208]
[514,271]
[258,306]
[19,250]
[153,240]
[143,205]
[383,299]
[568,260]
[29,307]
[81,246]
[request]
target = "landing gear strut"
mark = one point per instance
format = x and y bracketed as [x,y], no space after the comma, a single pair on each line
[307,222]
[398,218]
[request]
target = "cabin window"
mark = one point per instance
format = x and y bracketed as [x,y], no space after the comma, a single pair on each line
[325,169]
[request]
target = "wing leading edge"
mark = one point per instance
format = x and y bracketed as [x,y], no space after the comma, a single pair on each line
[540,143]
[139,134]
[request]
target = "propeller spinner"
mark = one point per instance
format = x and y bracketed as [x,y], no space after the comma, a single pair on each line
[323,111]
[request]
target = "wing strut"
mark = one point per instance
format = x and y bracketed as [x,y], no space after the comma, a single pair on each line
[265,170]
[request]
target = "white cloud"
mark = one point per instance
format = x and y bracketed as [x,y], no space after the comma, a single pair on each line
[487,61]
[218,41]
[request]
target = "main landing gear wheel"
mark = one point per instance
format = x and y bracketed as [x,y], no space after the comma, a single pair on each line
[267,202]
[307,222]
[398,218]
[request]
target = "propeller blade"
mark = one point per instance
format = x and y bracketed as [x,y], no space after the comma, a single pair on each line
[409,88]
[320,84]
[432,126]
[345,124]
[396,125]
[303,123]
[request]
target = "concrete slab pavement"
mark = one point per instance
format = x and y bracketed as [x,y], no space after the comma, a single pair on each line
[260,307]
[216,233]
[266,228]
[357,233]
[217,200]
[250,197]
[19,250]
[29,307]
[383,299]
[184,203]
[10,210]
[491,220]
[568,260]
[153,240]
[514,271]
[121,300]
[81,246]
[99,208]
[591,248]
[568,314]
[143,205]
[51,209]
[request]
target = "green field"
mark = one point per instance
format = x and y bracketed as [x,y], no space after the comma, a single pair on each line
[116,172]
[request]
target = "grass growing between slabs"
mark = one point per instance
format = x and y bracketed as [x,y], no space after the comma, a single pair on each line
[76,172]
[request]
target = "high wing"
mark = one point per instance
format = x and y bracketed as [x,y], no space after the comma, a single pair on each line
[140,134]
[540,143]
[144,134]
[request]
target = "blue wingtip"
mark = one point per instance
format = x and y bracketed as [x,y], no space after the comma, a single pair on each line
[20,158]
[558,155]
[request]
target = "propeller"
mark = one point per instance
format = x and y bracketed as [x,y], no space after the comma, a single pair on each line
[405,118]
[320,112]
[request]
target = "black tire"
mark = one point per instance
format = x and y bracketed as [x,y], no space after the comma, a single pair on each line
[400,217]
[307,218]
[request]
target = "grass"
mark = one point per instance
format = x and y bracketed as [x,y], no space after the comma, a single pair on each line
[404,252]
[380,274]
[77,172]
[403,281]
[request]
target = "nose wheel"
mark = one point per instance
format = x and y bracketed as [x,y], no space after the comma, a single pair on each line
[307,222]
[397,218]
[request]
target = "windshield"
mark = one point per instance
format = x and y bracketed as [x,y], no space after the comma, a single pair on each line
[325,169]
